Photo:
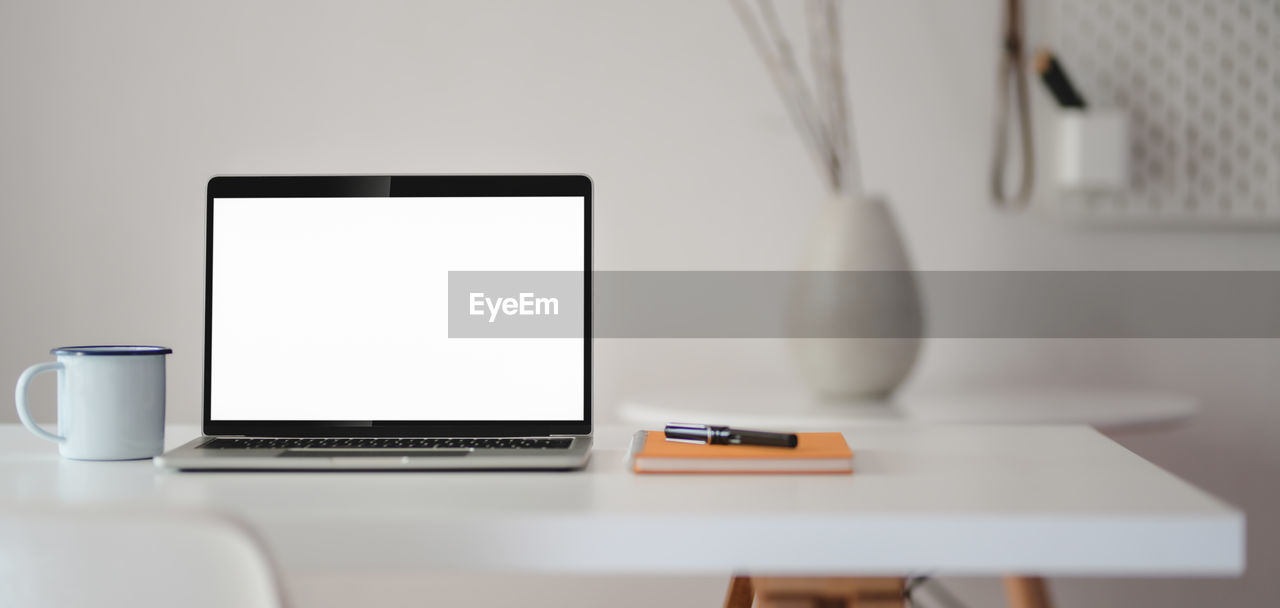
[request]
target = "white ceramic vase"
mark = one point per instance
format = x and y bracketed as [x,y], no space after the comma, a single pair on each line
[855,235]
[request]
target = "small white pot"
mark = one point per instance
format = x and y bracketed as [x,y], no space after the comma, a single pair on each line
[828,300]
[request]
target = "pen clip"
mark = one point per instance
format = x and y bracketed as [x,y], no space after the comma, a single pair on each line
[692,433]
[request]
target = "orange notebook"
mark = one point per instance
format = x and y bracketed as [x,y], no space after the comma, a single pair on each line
[816,453]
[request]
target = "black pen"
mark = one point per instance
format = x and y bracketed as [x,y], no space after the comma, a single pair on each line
[723,435]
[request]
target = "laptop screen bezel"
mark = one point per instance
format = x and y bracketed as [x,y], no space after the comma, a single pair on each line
[329,186]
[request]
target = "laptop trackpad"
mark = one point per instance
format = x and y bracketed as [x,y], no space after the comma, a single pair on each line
[384,454]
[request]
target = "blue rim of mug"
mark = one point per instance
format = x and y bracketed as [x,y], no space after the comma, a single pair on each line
[112,350]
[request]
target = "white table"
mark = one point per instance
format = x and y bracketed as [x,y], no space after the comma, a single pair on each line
[795,408]
[979,500]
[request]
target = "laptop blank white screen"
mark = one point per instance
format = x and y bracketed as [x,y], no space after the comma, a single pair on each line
[335,309]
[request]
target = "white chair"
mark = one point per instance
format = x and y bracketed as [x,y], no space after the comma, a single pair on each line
[136,558]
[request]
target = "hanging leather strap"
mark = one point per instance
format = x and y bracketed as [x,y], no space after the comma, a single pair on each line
[1012,87]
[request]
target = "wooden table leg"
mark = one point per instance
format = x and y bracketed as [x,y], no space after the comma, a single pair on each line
[1020,591]
[741,593]
[1026,592]
[816,592]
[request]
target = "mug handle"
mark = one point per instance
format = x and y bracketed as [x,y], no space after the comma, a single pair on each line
[20,397]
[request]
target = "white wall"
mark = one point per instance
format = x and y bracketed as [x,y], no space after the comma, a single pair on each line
[113,115]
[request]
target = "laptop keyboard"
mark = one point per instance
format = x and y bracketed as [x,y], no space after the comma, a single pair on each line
[284,443]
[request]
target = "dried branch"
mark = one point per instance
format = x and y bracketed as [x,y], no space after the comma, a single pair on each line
[765,32]
[851,176]
[791,72]
[821,57]
[822,116]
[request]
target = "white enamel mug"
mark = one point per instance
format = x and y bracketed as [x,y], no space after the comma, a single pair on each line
[110,401]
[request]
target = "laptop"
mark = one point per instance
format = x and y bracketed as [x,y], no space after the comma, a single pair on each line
[396,323]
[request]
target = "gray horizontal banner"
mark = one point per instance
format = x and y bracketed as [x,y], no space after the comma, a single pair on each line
[876,304]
